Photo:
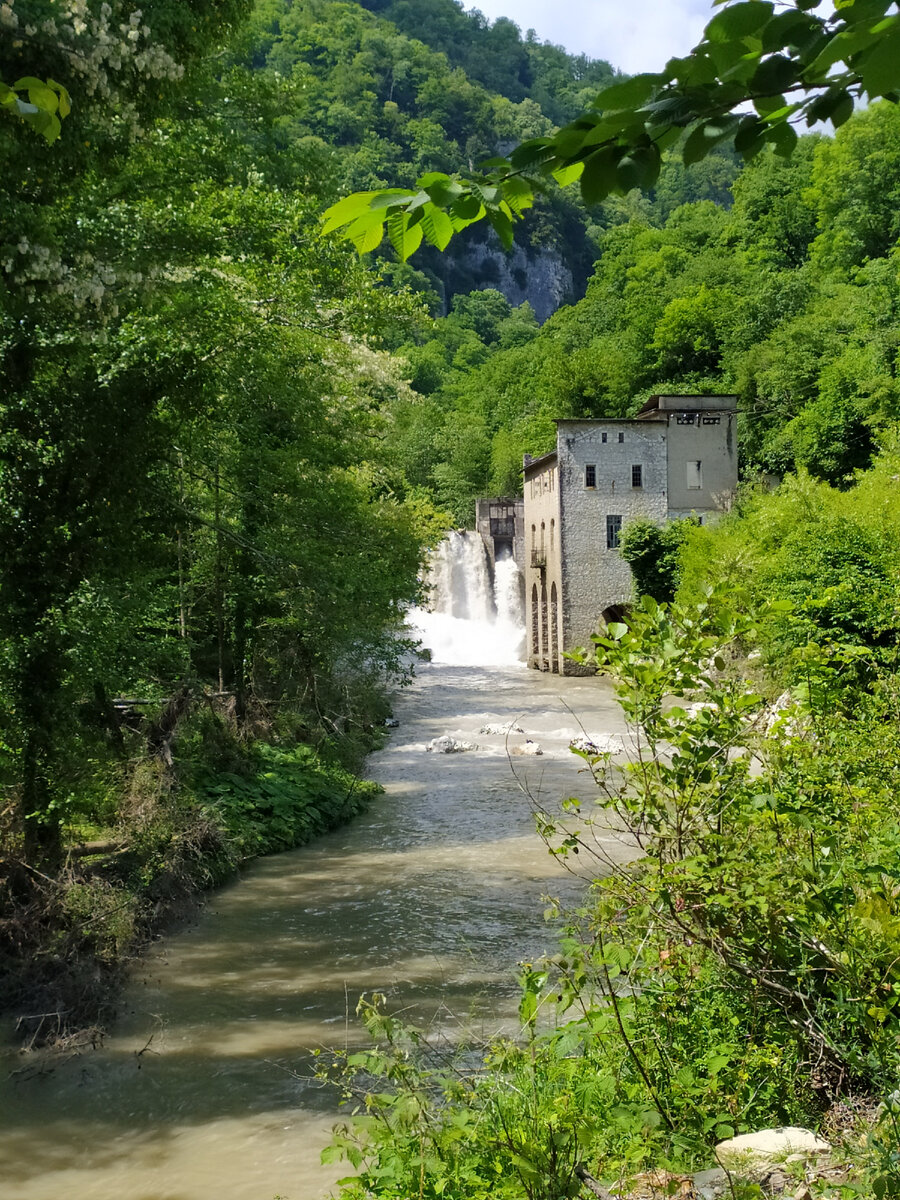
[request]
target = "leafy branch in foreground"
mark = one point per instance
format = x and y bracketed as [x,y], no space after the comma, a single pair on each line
[47,104]
[759,71]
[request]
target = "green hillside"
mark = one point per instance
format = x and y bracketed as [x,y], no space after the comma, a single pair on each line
[380,107]
[788,298]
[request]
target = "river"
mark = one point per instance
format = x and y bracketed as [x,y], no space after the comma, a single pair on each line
[204,1088]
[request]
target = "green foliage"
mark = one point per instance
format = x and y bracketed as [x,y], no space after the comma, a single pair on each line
[283,798]
[47,104]
[832,554]
[741,972]
[791,64]
[652,553]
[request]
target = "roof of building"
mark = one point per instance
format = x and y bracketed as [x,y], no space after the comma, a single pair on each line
[690,403]
[540,463]
[598,421]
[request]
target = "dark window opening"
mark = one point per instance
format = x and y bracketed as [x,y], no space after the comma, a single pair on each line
[621,437]
[590,475]
[613,529]
[636,476]
[602,437]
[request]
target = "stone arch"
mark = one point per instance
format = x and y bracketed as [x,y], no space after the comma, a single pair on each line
[614,612]
[554,628]
[545,661]
[535,646]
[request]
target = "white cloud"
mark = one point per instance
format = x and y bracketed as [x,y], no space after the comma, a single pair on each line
[633,35]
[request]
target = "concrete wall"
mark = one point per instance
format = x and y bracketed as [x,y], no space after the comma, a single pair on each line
[543,565]
[596,577]
[709,438]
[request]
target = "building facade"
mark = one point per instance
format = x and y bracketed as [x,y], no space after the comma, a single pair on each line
[677,458]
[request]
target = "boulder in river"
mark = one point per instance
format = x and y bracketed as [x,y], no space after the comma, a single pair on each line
[604,743]
[449,745]
[500,730]
[530,747]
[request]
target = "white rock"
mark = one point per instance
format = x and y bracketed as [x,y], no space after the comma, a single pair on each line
[769,1145]
[603,743]
[530,747]
[449,745]
[500,730]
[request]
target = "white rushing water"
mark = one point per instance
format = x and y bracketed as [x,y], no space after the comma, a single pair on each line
[471,619]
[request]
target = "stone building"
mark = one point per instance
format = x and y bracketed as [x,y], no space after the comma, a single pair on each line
[501,522]
[676,458]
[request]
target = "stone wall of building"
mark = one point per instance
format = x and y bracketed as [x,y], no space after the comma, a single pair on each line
[543,565]
[710,440]
[596,576]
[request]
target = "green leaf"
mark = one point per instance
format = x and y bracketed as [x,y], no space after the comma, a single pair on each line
[437,226]
[639,169]
[366,232]
[774,75]
[783,137]
[502,227]
[566,175]
[739,20]
[705,136]
[879,68]
[65,100]
[599,177]
[346,210]
[629,94]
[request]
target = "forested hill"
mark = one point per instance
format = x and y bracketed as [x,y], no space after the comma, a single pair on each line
[419,85]
[789,298]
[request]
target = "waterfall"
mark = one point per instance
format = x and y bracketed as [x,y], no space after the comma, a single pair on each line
[471,620]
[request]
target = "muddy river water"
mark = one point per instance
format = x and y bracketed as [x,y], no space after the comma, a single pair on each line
[204,1089]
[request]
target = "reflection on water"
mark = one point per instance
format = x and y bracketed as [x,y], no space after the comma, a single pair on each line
[432,897]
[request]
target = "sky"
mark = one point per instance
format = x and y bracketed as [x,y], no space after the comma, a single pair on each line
[633,35]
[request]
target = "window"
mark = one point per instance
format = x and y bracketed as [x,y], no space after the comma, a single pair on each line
[603,437]
[636,476]
[552,525]
[590,475]
[621,438]
[613,529]
[695,475]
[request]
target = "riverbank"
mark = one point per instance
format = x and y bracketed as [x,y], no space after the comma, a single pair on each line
[431,896]
[182,827]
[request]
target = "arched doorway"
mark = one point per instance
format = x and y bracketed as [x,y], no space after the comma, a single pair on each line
[614,613]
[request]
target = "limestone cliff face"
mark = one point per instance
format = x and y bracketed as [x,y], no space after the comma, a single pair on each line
[538,276]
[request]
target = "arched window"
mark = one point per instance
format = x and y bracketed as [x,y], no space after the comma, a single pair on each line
[552,526]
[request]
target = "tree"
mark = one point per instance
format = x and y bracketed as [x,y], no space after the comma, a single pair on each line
[791,64]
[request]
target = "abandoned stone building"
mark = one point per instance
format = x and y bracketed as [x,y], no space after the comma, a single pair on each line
[676,458]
